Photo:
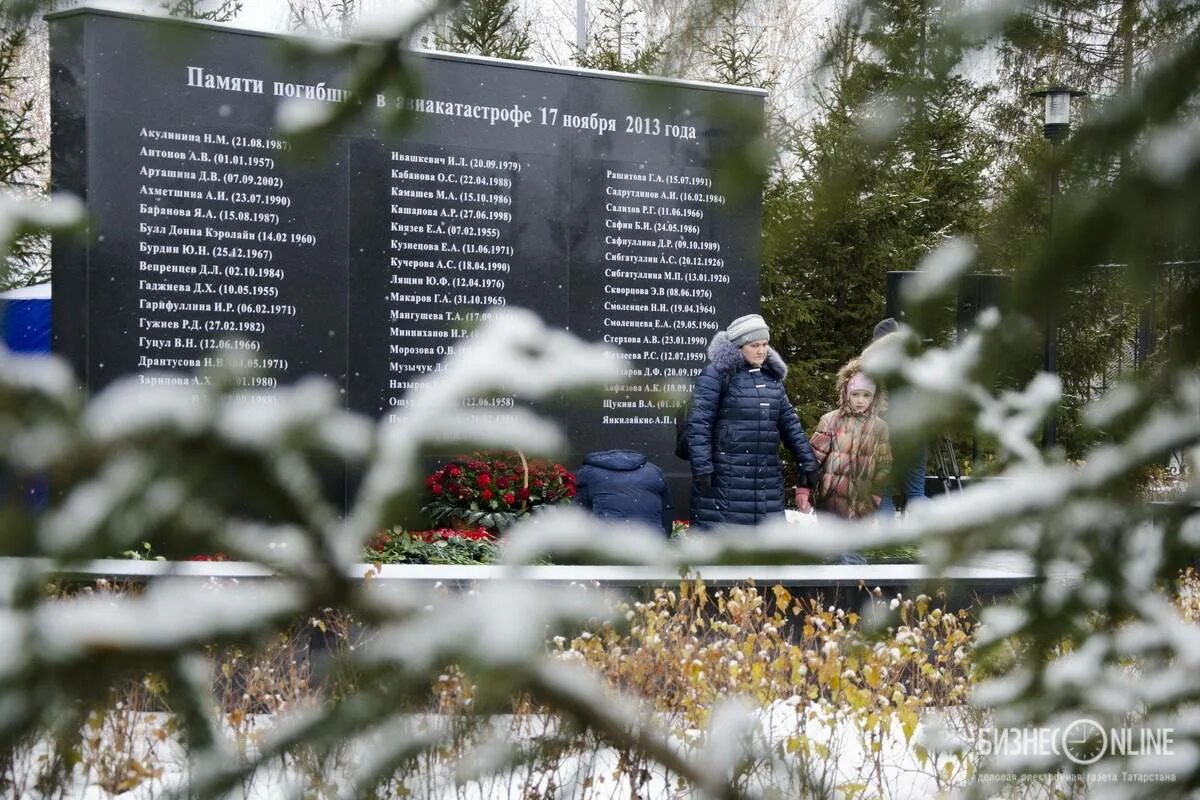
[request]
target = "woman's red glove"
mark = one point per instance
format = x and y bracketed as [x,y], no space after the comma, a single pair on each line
[803,502]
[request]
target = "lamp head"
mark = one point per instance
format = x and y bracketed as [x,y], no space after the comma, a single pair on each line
[1057,114]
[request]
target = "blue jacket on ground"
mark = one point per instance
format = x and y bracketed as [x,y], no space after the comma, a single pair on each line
[623,485]
[739,417]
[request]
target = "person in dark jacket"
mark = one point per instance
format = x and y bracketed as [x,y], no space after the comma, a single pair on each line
[909,483]
[740,415]
[623,485]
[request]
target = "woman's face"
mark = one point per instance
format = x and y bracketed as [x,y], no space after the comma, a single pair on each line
[755,352]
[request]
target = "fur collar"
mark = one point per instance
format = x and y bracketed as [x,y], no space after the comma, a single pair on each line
[728,358]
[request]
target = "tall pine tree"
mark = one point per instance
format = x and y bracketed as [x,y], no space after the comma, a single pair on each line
[735,48]
[619,44]
[1103,48]
[877,184]
[486,28]
[329,17]
[209,10]
[821,229]
[21,155]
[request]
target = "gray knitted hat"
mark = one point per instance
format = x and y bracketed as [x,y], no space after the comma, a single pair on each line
[750,328]
[883,328]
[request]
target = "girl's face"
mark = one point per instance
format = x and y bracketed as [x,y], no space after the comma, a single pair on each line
[755,352]
[860,400]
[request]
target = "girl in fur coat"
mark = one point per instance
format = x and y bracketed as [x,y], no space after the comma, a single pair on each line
[851,445]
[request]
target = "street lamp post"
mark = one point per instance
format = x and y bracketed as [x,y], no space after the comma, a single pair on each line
[1057,123]
[581,26]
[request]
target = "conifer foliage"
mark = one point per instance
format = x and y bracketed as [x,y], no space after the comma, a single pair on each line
[486,28]
[1105,48]
[619,43]
[735,49]
[892,165]
[20,157]
[209,10]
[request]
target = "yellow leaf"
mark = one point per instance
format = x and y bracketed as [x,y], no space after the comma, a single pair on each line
[908,722]
[129,783]
[871,675]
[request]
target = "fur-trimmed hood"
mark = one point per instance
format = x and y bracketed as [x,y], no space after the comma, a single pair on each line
[848,371]
[727,357]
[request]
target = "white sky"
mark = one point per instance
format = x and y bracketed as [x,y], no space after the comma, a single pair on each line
[263,14]
[272,15]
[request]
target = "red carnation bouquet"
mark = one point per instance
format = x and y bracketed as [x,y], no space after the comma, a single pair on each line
[494,490]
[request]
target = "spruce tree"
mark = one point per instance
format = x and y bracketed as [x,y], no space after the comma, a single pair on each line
[1102,48]
[486,28]
[209,10]
[817,230]
[863,203]
[619,45]
[933,164]
[21,155]
[329,17]
[735,49]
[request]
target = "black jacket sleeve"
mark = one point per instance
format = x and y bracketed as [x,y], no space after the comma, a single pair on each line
[668,510]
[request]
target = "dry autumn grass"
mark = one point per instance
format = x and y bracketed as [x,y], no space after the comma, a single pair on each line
[841,702]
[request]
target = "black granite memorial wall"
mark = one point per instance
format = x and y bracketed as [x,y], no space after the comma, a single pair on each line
[587,197]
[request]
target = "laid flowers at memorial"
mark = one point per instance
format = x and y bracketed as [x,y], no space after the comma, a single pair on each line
[148,552]
[494,489]
[218,556]
[461,546]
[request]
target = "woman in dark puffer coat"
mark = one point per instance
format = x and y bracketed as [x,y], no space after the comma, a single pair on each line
[740,415]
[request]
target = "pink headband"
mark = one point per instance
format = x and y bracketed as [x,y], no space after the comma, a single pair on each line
[860,382]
